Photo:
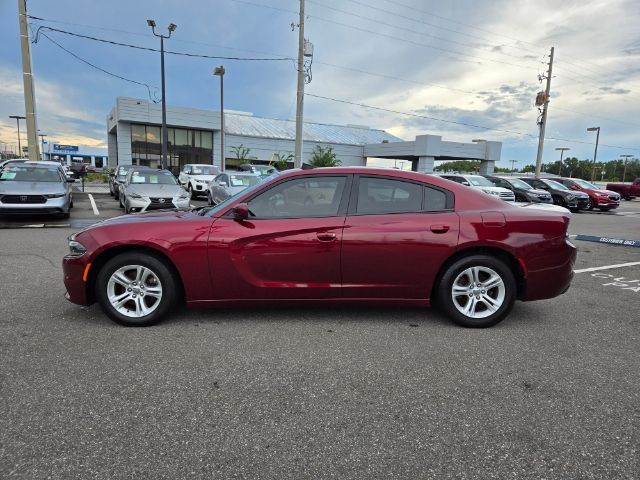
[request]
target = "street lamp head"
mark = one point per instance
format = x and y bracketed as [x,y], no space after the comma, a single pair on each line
[219,70]
[151,23]
[592,129]
[479,140]
[18,117]
[172,27]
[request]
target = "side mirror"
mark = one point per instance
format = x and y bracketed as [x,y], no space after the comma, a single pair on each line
[466,183]
[223,184]
[241,211]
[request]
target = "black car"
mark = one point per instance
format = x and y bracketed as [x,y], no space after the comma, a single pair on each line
[561,195]
[522,190]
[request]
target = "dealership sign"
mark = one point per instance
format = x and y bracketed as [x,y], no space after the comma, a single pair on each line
[65,148]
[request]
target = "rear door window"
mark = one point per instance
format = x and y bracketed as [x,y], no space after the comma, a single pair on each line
[383,195]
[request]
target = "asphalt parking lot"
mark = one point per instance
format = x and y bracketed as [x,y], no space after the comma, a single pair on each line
[551,392]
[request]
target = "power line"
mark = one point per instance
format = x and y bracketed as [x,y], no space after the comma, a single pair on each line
[138,47]
[148,87]
[462,123]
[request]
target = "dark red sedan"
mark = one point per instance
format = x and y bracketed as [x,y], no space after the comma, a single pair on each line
[357,235]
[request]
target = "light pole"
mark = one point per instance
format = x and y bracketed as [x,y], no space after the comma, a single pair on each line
[624,172]
[562,150]
[18,118]
[42,135]
[220,72]
[165,134]
[595,153]
[513,166]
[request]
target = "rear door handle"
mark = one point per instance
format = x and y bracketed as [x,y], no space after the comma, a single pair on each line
[439,228]
[326,236]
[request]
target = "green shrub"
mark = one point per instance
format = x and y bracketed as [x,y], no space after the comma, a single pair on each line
[324,157]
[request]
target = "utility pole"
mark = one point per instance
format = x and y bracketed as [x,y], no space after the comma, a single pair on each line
[562,150]
[513,166]
[595,152]
[27,79]
[543,100]
[624,172]
[18,118]
[221,71]
[297,161]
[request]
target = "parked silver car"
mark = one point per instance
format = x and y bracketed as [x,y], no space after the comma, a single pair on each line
[35,188]
[481,183]
[149,189]
[227,184]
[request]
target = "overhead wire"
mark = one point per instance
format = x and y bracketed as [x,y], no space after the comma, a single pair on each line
[482,127]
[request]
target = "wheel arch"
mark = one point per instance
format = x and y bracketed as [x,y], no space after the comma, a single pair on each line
[104,256]
[507,257]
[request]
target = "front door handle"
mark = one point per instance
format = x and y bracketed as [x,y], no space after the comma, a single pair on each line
[439,228]
[326,236]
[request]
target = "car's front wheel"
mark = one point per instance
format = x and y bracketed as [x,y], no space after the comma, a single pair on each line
[477,291]
[136,290]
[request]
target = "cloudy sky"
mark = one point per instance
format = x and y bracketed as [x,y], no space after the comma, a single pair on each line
[442,68]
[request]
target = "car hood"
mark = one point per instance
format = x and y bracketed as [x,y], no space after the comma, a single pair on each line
[493,189]
[146,217]
[536,191]
[608,192]
[204,178]
[31,188]
[155,190]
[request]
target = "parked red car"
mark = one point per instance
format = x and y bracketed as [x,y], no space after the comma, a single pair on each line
[603,200]
[626,190]
[358,235]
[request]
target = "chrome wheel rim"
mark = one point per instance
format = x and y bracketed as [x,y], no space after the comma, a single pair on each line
[478,292]
[134,291]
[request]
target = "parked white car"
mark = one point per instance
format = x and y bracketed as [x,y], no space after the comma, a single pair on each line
[196,177]
[481,183]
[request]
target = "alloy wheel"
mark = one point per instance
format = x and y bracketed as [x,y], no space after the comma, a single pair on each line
[134,291]
[478,292]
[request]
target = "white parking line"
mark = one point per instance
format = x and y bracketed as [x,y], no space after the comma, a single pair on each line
[606,267]
[93,205]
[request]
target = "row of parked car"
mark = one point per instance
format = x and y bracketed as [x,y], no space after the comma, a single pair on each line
[571,193]
[139,188]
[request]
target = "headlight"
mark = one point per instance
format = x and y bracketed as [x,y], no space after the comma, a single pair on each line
[54,195]
[134,195]
[603,194]
[183,196]
[76,249]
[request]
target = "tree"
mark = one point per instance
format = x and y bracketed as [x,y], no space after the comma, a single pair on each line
[528,169]
[241,152]
[461,166]
[282,160]
[324,157]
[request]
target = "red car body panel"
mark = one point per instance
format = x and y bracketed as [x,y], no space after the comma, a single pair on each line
[627,190]
[375,258]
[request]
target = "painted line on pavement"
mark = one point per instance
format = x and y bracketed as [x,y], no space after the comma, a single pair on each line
[606,267]
[93,205]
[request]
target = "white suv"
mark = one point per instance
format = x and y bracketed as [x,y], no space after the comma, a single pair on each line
[195,177]
[481,183]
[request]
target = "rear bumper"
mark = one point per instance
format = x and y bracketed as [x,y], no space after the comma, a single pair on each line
[550,274]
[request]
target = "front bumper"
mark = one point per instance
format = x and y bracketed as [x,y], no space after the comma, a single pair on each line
[146,204]
[49,206]
[606,202]
[73,269]
[200,188]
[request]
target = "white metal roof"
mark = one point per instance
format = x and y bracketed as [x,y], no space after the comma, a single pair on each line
[246,125]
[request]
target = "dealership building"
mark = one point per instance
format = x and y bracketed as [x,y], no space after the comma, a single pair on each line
[133,132]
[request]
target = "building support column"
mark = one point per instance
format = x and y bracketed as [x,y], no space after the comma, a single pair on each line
[425,164]
[487,167]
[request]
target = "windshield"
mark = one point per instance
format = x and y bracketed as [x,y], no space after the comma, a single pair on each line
[222,205]
[243,180]
[152,177]
[585,184]
[14,173]
[516,182]
[122,172]
[555,185]
[205,170]
[479,181]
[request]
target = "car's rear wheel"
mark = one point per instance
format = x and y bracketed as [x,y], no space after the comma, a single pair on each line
[477,291]
[136,290]
[210,199]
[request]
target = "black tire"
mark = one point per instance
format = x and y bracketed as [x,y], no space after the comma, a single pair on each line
[445,287]
[209,199]
[589,204]
[159,269]
[127,210]
[191,191]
